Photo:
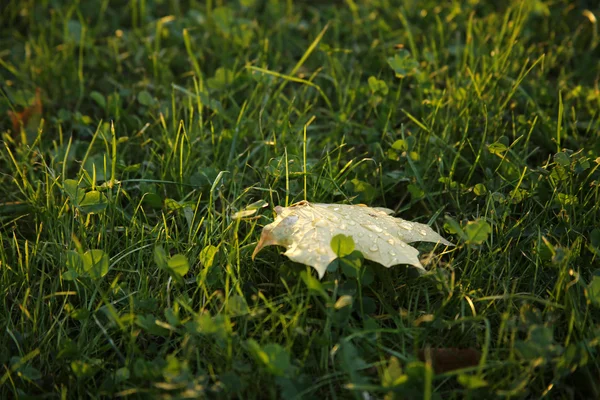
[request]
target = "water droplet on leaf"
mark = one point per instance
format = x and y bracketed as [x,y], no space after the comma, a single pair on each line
[406,225]
[374,228]
[321,223]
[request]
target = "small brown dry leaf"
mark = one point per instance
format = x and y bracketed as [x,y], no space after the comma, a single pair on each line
[306,229]
[22,118]
[451,358]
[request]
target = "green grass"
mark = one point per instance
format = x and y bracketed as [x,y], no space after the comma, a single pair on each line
[123,273]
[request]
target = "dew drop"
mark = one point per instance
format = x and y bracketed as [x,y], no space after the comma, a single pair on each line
[371,235]
[351,223]
[321,223]
[402,244]
[343,226]
[336,209]
[406,225]
[289,221]
[374,248]
[423,232]
[360,234]
[391,241]
[374,228]
[394,260]
[392,253]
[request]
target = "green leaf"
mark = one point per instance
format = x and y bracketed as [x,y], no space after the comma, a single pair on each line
[294,387]
[567,199]
[178,264]
[403,64]
[160,257]
[172,205]
[541,335]
[273,357]
[223,18]
[582,165]
[30,373]
[366,276]
[172,317]
[74,263]
[452,226]
[93,202]
[95,263]
[207,255]
[517,195]
[480,189]
[350,359]
[342,245]
[145,98]
[223,78]
[368,305]
[477,231]
[24,369]
[206,325]
[343,301]
[559,173]
[539,344]
[366,190]
[232,382]
[593,289]
[351,264]
[378,86]
[80,314]
[99,164]
[497,148]
[313,284]
[153,200]
[471,381]
[122,374]
[562,159]
[70,275]
[211,103]
[393,375]
[73,190]
[415,192]
[595,238]
[83,369]
[237,305]
[98,98]
[401,145]
[148,323]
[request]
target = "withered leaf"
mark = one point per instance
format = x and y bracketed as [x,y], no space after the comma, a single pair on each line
[451,358]
[22,118]
[306,229]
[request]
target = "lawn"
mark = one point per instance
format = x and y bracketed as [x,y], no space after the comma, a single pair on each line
[142,140]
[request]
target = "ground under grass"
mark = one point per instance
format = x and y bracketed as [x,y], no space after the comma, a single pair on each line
[134,132]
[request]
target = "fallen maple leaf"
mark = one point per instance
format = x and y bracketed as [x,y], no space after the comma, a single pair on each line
[22,118]
[306,230]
